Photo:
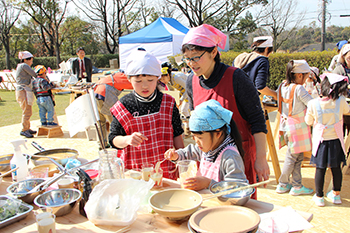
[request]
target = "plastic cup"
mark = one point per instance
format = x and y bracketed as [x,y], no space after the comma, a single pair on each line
[66,183]
[146,171]
[47,224]
[136,174]
[187,169]
[157,177]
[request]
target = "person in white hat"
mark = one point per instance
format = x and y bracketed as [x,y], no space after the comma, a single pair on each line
[328,147]
[24,94]
[294,132]
[146,122]
[256,64]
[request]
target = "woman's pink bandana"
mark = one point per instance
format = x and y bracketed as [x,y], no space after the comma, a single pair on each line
[206,36]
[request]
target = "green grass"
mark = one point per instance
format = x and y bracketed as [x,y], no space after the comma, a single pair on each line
[11,113]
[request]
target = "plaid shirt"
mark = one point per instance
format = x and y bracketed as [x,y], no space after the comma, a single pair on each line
[41,87]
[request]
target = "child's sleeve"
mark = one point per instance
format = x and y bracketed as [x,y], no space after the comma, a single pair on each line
[191,152]
[345,106]
[232,166]
[310,114]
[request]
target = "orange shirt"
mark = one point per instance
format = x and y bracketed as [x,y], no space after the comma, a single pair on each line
[121,82]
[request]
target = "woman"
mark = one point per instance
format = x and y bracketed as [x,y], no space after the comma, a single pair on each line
[24,93]
[232,88]
[256,64]
[343,68]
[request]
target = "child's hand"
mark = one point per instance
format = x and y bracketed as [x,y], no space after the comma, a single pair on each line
[197,183]
[171,154]
[135,139]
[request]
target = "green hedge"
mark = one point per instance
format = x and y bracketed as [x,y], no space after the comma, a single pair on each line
[278,62]
[100,61]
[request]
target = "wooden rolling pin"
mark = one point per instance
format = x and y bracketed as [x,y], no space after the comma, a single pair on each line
[235,190]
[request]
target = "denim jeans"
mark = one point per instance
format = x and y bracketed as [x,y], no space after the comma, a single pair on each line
[46,108]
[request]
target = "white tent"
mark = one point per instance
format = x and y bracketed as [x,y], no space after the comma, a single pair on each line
[162,38]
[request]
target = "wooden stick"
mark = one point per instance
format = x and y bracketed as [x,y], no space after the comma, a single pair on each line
[235,190]
[15,169]
[124,229]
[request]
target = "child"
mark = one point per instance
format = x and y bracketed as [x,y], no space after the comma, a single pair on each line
[328,150]
[292,102]
[42,90]
[218,147]
[146,122]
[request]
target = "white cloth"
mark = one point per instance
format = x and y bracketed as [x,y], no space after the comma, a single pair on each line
[142,62]
[267,43]
[300,66]
[24,55]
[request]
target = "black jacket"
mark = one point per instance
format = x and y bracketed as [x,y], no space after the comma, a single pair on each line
[88,68]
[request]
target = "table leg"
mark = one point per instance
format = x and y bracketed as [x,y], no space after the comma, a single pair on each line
[272,148]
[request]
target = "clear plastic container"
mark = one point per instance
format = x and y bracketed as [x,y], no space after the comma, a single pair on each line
[110,166]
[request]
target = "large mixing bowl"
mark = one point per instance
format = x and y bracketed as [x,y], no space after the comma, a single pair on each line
[21,189]
[175,204]
[235,198]
[62,201]
[5,162]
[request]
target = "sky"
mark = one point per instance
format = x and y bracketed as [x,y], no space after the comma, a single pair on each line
[335,8]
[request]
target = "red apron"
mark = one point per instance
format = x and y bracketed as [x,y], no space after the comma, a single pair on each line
[212,170]
[224,94]
[157,127]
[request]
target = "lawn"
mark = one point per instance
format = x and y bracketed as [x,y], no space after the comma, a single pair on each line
[11,113]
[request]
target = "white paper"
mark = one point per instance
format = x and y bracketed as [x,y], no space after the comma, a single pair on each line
[288,215]
[80,115]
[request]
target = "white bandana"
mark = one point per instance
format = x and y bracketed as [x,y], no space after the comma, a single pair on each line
[300,66]
[267,43]
[141,62]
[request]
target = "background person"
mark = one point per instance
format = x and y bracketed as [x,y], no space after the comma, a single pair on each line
[294,132]
[82,65]
[106,91]
[232,88]
[24,94]
[146,122]
[42,90]
[335,58]
[256,64]
[328,148]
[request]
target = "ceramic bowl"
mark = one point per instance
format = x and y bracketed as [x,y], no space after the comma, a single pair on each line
[236,198]
[62,201]
[175,204]
[21,189]
[5,162]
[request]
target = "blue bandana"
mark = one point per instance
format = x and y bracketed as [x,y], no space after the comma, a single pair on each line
[209,116]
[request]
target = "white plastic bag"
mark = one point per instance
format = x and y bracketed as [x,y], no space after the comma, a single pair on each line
[116,201]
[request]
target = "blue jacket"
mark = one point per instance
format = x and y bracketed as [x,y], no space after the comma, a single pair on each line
[257,70]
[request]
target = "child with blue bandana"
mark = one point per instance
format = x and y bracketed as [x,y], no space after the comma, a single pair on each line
[218,147]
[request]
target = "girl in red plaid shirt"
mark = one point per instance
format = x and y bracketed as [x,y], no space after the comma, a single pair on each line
[146,122]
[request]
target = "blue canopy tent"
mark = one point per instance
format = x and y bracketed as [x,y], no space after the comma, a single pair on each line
[162,38]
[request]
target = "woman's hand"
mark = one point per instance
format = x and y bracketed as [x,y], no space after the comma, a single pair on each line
[135,139]
[171,154]
[197,183]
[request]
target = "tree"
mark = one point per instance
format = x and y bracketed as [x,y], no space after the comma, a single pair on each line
[279,15]
[110,18]
[9,16]
[198,11]
[78,33]
[49,14]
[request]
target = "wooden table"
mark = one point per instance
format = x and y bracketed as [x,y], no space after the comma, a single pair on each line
[73,92]
[146,222]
